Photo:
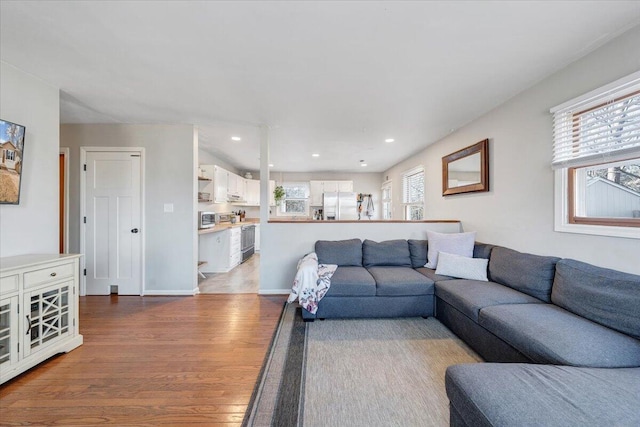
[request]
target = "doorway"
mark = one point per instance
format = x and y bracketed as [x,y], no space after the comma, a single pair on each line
[112,229]
[63,222]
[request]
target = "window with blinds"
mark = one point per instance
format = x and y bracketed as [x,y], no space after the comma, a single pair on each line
[413,194]
[596,152]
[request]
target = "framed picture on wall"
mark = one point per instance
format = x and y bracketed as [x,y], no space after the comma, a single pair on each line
[11,158]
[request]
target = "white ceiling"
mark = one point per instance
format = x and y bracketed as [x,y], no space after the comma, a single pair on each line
[334,78]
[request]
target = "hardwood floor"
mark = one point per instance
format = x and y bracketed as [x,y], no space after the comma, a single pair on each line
[151,361]
[243,279]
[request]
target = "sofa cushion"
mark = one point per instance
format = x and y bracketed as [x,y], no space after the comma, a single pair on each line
[340,252]
[531,274]
[482,250]
[400,281]
[351,281]
[546,333]
[453,243]
[387,253]
[462,267]
[470,296]
[418,252]
[608,297]
[431,274]
[500,394]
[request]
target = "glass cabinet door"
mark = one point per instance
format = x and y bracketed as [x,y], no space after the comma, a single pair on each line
[8,331]
[50,316]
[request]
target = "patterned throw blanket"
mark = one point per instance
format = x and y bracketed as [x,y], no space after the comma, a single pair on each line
[312,282]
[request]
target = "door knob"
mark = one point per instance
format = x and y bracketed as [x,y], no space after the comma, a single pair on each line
[135,230]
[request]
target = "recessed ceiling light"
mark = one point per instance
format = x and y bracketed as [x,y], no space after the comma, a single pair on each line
[236,138]
[389,140]
[363,164]
[270,165]
[315,155]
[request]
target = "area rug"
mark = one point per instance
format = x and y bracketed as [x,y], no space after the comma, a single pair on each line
[356,372]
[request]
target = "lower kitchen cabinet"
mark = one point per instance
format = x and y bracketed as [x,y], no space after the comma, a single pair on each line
[38,310]
[221,250]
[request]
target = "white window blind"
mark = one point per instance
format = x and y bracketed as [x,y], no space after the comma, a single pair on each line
[601,126]
[413,186]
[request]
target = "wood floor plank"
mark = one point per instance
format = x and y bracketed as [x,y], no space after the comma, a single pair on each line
[151,361]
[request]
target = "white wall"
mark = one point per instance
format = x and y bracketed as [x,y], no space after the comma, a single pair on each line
[32,225]
[283,244]
[170,177]
[518,212]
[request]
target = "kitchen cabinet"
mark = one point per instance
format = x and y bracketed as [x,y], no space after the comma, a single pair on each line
[206,184]
[236,187]
[252,195]
[220,250]
[38,310]
[345,186]
[221,184]
[317,188]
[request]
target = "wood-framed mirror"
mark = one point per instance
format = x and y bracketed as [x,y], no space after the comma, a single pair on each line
[466,170]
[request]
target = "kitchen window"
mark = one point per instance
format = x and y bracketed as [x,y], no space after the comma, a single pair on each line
[596,155]
[296,199]
[413,194]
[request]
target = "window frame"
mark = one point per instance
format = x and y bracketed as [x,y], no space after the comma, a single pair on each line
[406,206]
[572,197]
[281,206]
[565,185]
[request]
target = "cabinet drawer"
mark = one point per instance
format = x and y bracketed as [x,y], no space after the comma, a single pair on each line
[49,274]
[8,284]
[235,248]
[235,231]
[235,259]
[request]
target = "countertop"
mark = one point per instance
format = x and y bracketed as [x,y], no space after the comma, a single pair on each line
[227,225]
[361,221]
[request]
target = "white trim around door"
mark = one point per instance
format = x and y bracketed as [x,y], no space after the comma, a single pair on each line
[65,232]
[83,208]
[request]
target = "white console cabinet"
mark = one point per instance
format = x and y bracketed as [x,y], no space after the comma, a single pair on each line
[38,310]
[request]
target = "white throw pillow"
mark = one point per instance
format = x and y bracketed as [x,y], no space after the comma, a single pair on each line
[452,243]
[462,267]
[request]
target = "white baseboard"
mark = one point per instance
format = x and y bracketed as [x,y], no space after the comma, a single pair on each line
[169,292]
[285,291]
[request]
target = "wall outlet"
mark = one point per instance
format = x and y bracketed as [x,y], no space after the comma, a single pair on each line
[168,207]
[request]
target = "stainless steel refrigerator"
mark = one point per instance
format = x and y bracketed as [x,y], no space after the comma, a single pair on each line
[340,206]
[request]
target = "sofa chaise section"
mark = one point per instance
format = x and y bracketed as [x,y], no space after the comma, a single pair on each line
[514,278]
[492,394]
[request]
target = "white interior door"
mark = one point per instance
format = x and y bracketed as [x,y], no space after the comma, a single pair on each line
[113,235]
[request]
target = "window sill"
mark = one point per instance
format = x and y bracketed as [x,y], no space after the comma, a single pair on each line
[599,230]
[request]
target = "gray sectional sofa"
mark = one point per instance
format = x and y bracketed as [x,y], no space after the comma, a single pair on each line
[569,330]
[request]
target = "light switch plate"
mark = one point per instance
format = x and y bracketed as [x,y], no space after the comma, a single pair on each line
[168,207]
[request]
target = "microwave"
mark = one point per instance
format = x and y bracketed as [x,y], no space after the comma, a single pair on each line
[206,219]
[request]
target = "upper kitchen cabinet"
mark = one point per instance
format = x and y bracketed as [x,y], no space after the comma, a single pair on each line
[236,188]
[318,188]
[220,184]
[252,195]
[205,184]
